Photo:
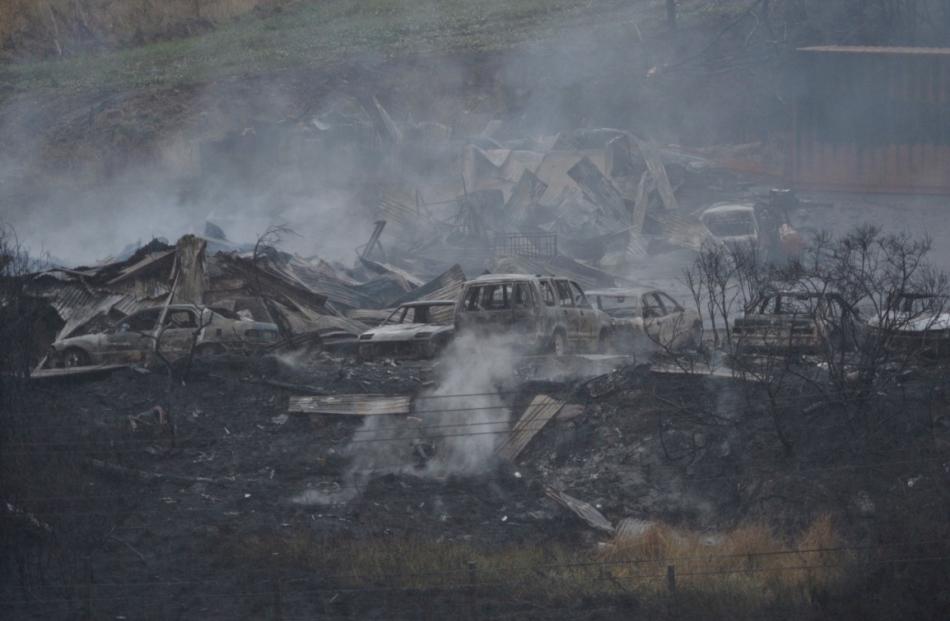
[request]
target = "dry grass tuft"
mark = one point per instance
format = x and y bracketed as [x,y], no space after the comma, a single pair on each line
[746,565]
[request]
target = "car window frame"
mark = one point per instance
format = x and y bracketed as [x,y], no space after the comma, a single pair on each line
[558,283]
[666,297]
[195,322]
[137,315]
[580,295]
[547,288]
[645,306]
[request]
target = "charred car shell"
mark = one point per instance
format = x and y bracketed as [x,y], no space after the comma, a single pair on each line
[915,323]
[802,322]
[185,326]
[542,313]
[648,316]
[414,330]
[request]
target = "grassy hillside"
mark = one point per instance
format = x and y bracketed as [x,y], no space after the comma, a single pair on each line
[57,27]
[317,33]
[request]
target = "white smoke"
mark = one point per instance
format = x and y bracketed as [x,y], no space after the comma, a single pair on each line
[453,430]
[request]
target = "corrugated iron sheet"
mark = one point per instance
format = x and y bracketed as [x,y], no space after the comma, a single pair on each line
[873,119]
[565,267]
[542,409]
[351,405]
[446,286]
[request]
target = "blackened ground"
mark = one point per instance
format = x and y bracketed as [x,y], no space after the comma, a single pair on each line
[196,522]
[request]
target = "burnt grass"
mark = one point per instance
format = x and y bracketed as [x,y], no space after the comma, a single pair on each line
[194,517]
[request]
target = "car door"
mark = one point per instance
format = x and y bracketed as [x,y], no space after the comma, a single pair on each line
[178,331]
[589,328]
[550,313]
[569,314]
[132,338]
[673,325]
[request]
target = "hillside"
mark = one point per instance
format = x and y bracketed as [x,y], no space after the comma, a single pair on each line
[30,28]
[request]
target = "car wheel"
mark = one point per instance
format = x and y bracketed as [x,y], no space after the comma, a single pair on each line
[209,349]
[560,344]
[75,357]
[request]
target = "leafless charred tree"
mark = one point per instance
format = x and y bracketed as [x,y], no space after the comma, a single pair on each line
[872,298]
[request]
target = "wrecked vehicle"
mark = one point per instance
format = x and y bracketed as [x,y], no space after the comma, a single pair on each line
[732,223]
[917,323]
[546,314]
[184,327]
[414,330]
[762,225]
[800,322]
[648,316]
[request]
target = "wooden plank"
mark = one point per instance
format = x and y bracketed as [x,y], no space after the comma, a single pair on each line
[541,409]
[351,405]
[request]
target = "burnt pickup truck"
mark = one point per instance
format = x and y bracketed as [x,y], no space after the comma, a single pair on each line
[541,313]
[799,322]
[414,330]
[133,339]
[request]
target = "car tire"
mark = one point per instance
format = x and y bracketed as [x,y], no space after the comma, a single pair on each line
[75,357]
[559,344]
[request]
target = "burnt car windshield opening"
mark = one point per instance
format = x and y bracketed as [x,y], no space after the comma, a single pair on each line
[580,300]
[142,322]
[736,224]
[619,305]
[498,297]
[437,314]
[180,319]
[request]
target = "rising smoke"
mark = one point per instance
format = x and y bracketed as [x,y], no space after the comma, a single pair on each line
[453,430]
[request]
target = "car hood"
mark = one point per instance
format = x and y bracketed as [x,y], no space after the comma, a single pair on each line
[85,342]
[922,323]
[404,331]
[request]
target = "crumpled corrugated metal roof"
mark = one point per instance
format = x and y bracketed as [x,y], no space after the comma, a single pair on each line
[446,286]
[565,267]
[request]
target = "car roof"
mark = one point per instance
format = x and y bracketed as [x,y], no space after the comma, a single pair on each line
[499,278]
[727,207]
[428,303]
[626,292]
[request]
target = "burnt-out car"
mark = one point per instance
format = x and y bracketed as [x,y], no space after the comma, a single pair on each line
[642,317]
[914,323]
[184,327]
[802,322]
[540,313]
[414,330]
